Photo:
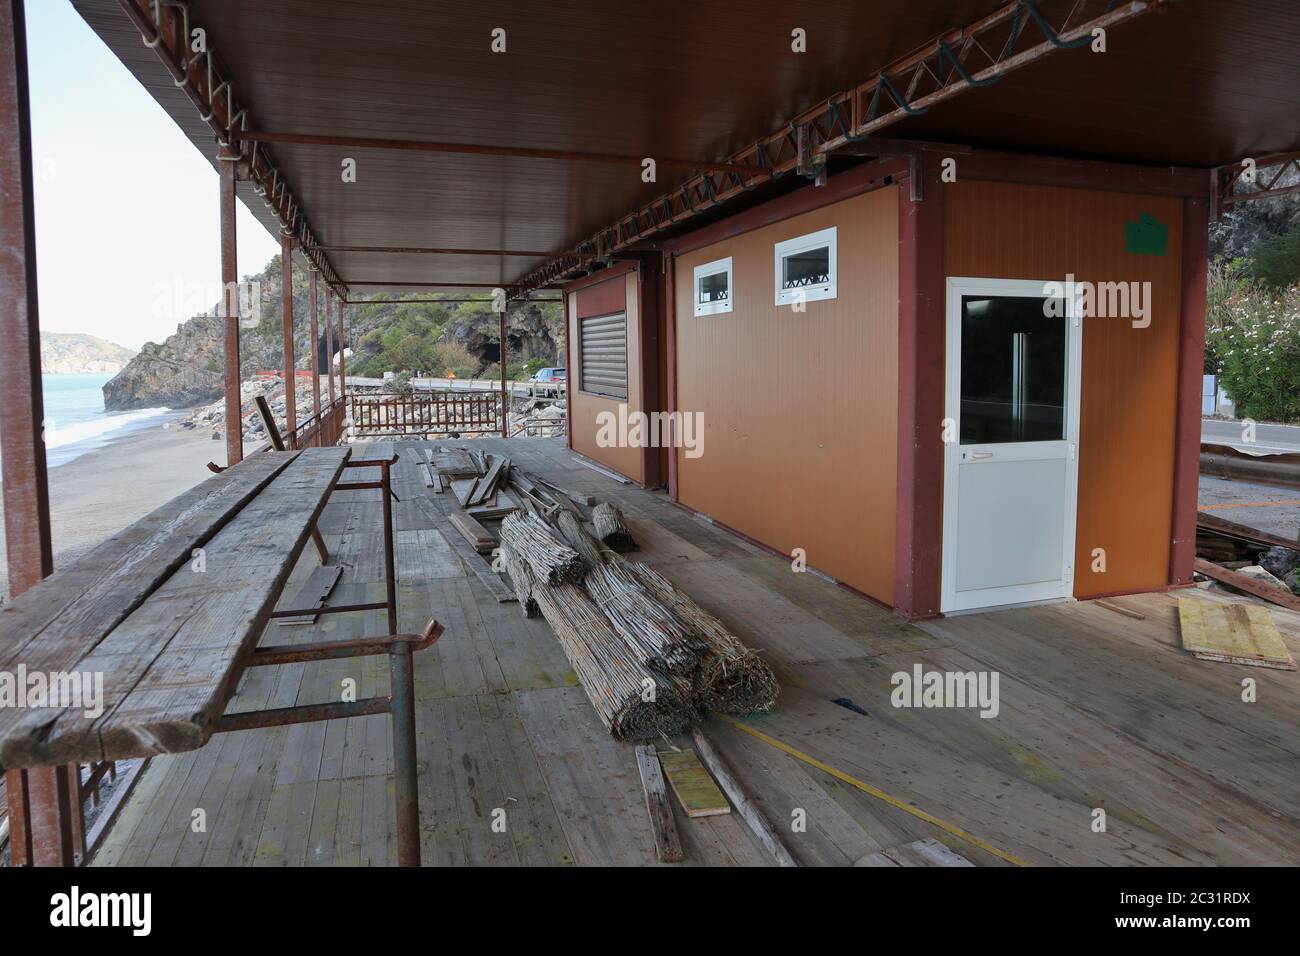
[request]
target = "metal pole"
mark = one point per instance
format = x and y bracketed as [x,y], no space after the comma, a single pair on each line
[329,339]
[402,694]
[343,346]
[315,352]
[505,395]
[41,827]
[227,160]
[286,303]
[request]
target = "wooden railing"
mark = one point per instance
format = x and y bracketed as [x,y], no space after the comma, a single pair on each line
[327,430]
[424,413]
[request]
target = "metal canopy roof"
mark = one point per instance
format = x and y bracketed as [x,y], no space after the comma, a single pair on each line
[1195,83]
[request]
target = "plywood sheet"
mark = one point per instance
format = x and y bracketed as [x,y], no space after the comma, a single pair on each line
[1233,633]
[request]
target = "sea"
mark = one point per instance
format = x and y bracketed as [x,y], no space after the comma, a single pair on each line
[75,419]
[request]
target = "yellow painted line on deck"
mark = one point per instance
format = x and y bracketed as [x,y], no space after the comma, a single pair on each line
[1251,504]
[879,794]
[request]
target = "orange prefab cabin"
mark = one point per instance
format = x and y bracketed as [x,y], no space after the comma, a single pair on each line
[946,395]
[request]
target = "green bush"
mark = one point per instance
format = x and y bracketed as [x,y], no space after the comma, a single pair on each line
[1277,262]
[1253,334]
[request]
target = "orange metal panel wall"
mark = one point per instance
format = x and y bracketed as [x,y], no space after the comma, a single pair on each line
[1130,375]
[583,407]
[800,409]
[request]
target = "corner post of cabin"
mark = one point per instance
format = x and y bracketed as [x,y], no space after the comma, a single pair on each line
[1191,364]
[43,831]
[919,529]
[314,339]
[569,374]
[329,341]
[505,394]
[286,302]
[670,361]
[227,162]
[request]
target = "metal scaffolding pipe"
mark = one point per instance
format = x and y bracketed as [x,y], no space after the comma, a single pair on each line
[315,350]
[436,251]
[226,162]
[329,341]
[286,302]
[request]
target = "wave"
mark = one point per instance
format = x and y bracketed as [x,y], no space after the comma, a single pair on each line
[62,444]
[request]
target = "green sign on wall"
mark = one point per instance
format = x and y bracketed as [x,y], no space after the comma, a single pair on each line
[1146,237]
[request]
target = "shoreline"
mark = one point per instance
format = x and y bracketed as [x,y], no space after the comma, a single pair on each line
[103,490]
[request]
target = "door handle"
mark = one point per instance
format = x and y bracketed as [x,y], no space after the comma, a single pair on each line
[981,454]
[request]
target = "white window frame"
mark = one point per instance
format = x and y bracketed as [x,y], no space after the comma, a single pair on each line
[713,268]
[810,293]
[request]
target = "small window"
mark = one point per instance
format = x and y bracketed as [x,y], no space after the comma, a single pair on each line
[805,268]
[713,287]
[602,354]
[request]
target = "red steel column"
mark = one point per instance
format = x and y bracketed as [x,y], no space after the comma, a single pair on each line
[290,377]
[329,339]
[505,394]
[315,350]
[1191,366]
[227,161]
[670,356]
[918,541]
[343,382]
[41,825]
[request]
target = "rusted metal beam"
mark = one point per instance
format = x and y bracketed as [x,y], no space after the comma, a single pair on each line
[290,370]
[167,28]
[343,347]
[427,285]
[1259,179]
[329,341]
[227,161]
[949,64]
[315,350]
[440,251]
[435,301]
[44,822]
[518,152]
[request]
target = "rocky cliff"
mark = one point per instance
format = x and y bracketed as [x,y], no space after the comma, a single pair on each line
[65,353]
[186,369]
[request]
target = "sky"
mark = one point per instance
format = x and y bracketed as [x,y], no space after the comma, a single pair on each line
[126,206]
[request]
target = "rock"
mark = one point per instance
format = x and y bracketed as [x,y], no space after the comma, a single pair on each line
[1279,562]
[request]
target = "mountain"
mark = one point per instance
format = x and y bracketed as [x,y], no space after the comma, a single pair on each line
[65,353]
[432,337]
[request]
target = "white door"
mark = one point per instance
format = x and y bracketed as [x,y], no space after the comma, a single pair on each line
[1010,444]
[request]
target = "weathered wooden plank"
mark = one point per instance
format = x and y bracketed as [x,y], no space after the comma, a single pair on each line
[694,787]
[313,593]
[170,666]
[668,845]
[52,626]
[473,532]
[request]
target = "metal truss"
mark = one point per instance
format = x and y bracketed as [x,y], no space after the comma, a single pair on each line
[165,27]
[977,55]
[1258,179]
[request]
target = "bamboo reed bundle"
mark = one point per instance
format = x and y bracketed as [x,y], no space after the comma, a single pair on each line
[578,539]
[522,580]
[657,635]
[611,529]
[617,684]
[546,556]
[731,679]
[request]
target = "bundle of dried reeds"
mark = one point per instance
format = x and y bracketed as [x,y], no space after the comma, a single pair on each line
[633,702]
[578,539]
[521,578]
[611,529]
[547,557]
[658,636]
[731,678]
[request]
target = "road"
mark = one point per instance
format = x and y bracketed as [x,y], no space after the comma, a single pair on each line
[1268,438]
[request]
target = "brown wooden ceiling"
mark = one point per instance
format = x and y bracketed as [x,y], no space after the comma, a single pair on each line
[1200,84]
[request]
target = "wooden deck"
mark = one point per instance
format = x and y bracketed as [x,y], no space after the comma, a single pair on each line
[1097,710]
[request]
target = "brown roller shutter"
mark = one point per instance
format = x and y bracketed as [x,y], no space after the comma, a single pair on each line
[602,347]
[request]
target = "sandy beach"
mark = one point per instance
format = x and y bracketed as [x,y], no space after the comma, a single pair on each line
[107,488]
